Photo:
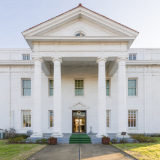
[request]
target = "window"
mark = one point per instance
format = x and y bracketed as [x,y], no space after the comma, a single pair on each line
[107,87]
[26,87]
[80,34]
[108,118]
[26,57]
[51,124]
[132,87]
[51,88]
[132,118]
[26,116]
[132,57]
[78,87]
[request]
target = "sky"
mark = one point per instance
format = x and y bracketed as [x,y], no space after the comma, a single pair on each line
[19,15]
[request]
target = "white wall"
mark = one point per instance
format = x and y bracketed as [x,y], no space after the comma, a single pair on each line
[146,104]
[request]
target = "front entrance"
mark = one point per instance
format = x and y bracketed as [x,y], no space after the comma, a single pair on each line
[78,121]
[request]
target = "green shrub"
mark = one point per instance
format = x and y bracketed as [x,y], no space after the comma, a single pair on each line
[16,140]
[37,141]
[123,141]
[142,138]
[114,140]
[110,143]
[43,140]
[155,135]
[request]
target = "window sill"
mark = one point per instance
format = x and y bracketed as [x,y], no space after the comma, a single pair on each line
[26,128]
[26,96]
[132,96]
[134,128]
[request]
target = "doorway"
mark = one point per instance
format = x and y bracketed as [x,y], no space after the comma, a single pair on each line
[78,121]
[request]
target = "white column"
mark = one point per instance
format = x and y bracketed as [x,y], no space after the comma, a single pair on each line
[57,129]
[122,110]
[37,119]
[101,97]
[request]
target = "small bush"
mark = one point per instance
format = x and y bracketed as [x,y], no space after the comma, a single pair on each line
[37,141]
[114,140]
[43,140]
[16,140]
[22,135]
[155,135]
[110,143]
[123,141]
[143,138]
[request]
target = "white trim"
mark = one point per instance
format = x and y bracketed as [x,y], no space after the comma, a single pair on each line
[136,78]
[79,106]
[22,120]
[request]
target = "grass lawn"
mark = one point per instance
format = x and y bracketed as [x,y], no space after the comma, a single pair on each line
[142,151]
[18,151]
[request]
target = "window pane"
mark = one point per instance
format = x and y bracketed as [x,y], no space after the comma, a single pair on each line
[51,91]
[107,92]
[50,118]
[26,118]
[132,118]
[130,57]
[134,57]
[79,88]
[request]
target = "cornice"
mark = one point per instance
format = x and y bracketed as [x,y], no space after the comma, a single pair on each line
[16,62]
[143,62]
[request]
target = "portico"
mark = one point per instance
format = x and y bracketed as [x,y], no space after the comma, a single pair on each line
[70,42]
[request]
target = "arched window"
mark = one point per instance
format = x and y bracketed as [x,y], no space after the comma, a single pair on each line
[80,34]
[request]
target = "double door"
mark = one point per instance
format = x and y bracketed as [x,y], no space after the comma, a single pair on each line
[79,121]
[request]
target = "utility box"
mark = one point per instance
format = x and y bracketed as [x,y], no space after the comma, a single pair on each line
[2,134]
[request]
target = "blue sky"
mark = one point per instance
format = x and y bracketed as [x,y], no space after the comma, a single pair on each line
[19,15]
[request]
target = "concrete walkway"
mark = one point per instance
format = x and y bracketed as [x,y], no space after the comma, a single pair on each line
[88,152]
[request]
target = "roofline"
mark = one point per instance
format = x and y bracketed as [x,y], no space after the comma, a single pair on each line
[80,5]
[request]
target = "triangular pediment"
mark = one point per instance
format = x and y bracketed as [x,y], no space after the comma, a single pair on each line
[79,106]
[80,19]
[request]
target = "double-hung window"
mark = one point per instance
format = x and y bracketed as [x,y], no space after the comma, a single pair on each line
[132,87]
[51,87]
[107,87]
[26,87]
[26,57]
[132,118]
[51,114]
[132,57]
[79,88]
[26,118]
[108,112]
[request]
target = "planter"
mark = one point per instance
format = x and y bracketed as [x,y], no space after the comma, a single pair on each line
[52,141]
[105,140]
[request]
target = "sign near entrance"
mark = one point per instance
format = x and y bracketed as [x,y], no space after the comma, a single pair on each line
[123,133]
[79,113]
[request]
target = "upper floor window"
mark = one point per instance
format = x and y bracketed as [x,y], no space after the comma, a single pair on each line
[132,87]
[26,118]
[51,87]
[132,118]
[79,88]
[107,87]
[80,34]
[26,57]
[132,57]
[26,87]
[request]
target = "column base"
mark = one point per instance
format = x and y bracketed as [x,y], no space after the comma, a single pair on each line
[118,135]
[57,134]
[100,135]
[37,134]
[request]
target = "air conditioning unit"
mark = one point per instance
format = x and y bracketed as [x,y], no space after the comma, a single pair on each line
[2,134]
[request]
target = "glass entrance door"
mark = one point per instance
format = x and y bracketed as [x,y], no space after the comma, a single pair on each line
[79,121]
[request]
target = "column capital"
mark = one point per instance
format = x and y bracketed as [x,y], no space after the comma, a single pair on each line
[57,59]
[99,59]
[37,58]
[122,58]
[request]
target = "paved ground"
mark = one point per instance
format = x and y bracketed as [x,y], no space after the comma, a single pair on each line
[88,152]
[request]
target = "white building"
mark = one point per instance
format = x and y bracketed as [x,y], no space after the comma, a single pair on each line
[80,69]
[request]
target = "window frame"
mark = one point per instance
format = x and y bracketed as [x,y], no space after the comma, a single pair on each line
[109,118]
[109,87]
[79,88]
[22,119]
[26,56]
[132,54]
[49,87]
[134,127]
[22,87]
[136,87]
[49,119]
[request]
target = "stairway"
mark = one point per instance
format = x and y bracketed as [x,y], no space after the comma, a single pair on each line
[79,138]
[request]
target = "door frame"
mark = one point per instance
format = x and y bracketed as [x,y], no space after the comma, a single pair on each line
[85,121]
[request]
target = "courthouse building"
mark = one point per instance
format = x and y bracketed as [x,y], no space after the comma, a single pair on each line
[80,74]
